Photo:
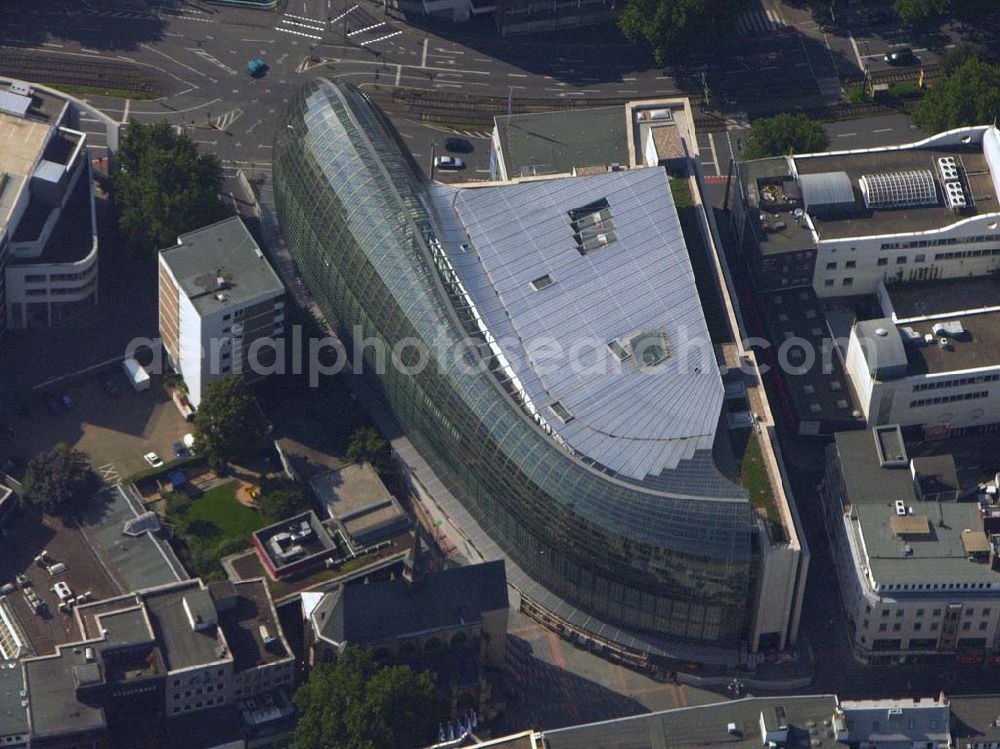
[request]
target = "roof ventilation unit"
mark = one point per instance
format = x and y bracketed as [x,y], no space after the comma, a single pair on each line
[948,168]
[955,196]
[900,507]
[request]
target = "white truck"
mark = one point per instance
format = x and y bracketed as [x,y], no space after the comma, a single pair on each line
[137,376]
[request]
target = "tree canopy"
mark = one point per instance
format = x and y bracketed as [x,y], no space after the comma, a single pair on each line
[784,134]
[673,28]
[162,186]
[969,95]
[917,12]
[60,482]
[282,499]
[366,444]
[228,425]
[355,704]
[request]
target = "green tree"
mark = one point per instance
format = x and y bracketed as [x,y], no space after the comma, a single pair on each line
[917,12]
[355,704]
[162,186]
[228,425]
[282,499]
[956,57]
[784,134]
[674,27]
[60,482]
[970,95]
[366,444]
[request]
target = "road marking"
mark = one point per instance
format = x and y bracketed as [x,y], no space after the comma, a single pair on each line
[883,130]
[250,129]
[302,25]
[183,65]
[259,41]
[210,58]
[128,103]
[306,18]
[50,44]
[715,156]
[297,33]
[423,60]
[399,73]
[381,38]
[846,135]
[517,75]
[366,28]
[352,8]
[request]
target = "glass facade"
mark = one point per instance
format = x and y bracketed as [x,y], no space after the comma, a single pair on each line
[354,212]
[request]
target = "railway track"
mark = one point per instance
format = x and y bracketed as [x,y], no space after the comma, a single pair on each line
[79,72]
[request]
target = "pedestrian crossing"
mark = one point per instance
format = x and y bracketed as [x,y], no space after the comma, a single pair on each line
[310,28]
[226,121]
[757,22]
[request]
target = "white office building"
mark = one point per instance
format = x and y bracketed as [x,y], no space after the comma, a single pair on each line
[844,221]
[221,304]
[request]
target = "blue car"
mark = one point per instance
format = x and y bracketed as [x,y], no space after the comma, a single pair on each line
[180,451]
[256,68]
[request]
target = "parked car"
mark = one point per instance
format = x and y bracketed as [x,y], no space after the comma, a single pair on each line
[458,145]
[180,451]
[449,163]
[110,386]
[153,459]
[901,56]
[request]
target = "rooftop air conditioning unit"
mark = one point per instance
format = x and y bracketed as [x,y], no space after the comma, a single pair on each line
[900,507]
[948,168]
[660,114]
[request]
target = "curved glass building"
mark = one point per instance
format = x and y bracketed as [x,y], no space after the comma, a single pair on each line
[597,480]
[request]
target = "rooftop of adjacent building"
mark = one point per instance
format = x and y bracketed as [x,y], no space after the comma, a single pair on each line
[13,714]
[557,142]
[54,707]
[865,222]
[975,719]
[734,725]
[382,611]
[791,197]
[316,541]
[221,266]
[183,646]
[21,144]
[358,501]
[242,618]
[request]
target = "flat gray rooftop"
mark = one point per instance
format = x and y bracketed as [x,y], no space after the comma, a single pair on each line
[867,481]
[13,717]
[127,627]
[943,297]
[978,346]
[241,626]
[225,248]
[182,646]
[706,726]
[556,142]
[638,421]
[867,222]
[135,562]
[974,719]
[935,557]
[55,708]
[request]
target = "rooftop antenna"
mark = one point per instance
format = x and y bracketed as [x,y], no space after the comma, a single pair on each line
[940,514]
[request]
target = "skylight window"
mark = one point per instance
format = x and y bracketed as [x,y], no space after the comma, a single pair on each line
[542,282]
[593,227]
[561,411]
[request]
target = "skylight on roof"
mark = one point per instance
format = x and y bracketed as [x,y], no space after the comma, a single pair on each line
[593,227]
[561,411]
[542,282]
[898,189]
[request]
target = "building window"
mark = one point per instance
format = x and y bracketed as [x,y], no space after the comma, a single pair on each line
[883,261]
[851,264]
[901,260]
[828,282]
[849,281]
[966,626]
[831,266]
[885,613]
[934,626]
[177,682]
[865,625]
[226,316]
[917,626]
[899,613]
[937,612]
[986,612]
[920,612]
[983,626]
[883,627]
[919,258]
[897,626]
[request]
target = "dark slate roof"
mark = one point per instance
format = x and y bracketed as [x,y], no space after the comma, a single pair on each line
[383,611]
[975,720]
[13,715]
